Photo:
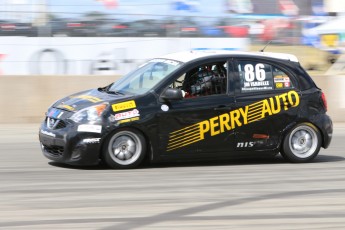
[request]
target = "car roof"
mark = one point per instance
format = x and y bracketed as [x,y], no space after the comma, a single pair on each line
[187,56]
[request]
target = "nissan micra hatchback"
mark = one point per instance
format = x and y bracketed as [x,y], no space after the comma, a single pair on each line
[192,105]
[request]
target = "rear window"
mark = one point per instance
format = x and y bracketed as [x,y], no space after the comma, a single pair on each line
[258,76]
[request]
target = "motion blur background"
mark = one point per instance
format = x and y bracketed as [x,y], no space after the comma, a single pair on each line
[49,49]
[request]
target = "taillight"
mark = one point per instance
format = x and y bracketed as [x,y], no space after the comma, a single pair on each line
[323,97]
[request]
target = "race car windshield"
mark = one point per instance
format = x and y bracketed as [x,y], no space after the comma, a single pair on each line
[145,77]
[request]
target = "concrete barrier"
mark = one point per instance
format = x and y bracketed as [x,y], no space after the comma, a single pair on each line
[25,99]
[333,87]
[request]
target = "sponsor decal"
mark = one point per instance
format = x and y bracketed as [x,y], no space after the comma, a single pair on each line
[68,107]
[48,133]
[245,144]
[90,128]
[124,106]
[280,78]
[54,113]
[233,119]
[127,114]
[165,108]
[128,120]
[282,82]
[279,85]
[88,98]
[91,140]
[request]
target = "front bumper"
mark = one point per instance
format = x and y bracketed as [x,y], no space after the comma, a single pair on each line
[71,144]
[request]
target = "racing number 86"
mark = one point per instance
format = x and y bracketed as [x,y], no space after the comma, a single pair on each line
[250,74]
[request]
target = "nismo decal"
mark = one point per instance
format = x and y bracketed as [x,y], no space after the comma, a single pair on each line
[88,98]
[68,107]
[230,120]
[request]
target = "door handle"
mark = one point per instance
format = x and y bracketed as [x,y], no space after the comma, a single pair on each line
[222,108]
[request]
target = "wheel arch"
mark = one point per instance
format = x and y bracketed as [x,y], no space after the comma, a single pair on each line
[292,125]
[308,143]
[149,151]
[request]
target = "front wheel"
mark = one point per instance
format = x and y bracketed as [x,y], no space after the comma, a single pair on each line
[302,143]
[124,149]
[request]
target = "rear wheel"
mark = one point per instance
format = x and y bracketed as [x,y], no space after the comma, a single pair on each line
[124,149]
[302,143]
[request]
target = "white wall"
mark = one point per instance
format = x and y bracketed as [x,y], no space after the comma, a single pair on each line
[90,56]
[335,6]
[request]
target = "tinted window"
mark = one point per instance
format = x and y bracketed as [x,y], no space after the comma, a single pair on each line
[203,80]
[145,77]
[258,76]
[255,76]
[281,79]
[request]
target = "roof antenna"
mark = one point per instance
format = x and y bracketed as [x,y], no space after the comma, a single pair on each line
[263,49]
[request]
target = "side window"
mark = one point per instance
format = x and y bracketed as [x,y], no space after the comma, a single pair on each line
[258,76]
[281,79]
[152,73]
[203,80]
[255,76]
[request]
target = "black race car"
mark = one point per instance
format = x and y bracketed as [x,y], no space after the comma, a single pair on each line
[192,105]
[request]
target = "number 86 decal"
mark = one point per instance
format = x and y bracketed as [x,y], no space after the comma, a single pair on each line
[251,73]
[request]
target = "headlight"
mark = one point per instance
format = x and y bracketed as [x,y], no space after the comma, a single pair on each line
[89,114]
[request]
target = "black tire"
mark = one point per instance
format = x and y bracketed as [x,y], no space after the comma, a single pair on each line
[302,143]
[124,149]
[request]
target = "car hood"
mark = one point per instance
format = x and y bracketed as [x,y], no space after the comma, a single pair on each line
[85,99]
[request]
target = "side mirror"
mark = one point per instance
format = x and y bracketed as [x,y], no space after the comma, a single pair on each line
[172,94]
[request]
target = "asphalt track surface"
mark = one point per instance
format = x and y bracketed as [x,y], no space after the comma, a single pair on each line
[250,194]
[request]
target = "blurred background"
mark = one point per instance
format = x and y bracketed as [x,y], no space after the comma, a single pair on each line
[49,49]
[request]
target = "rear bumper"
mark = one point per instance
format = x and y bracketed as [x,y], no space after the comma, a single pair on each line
[325,124]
